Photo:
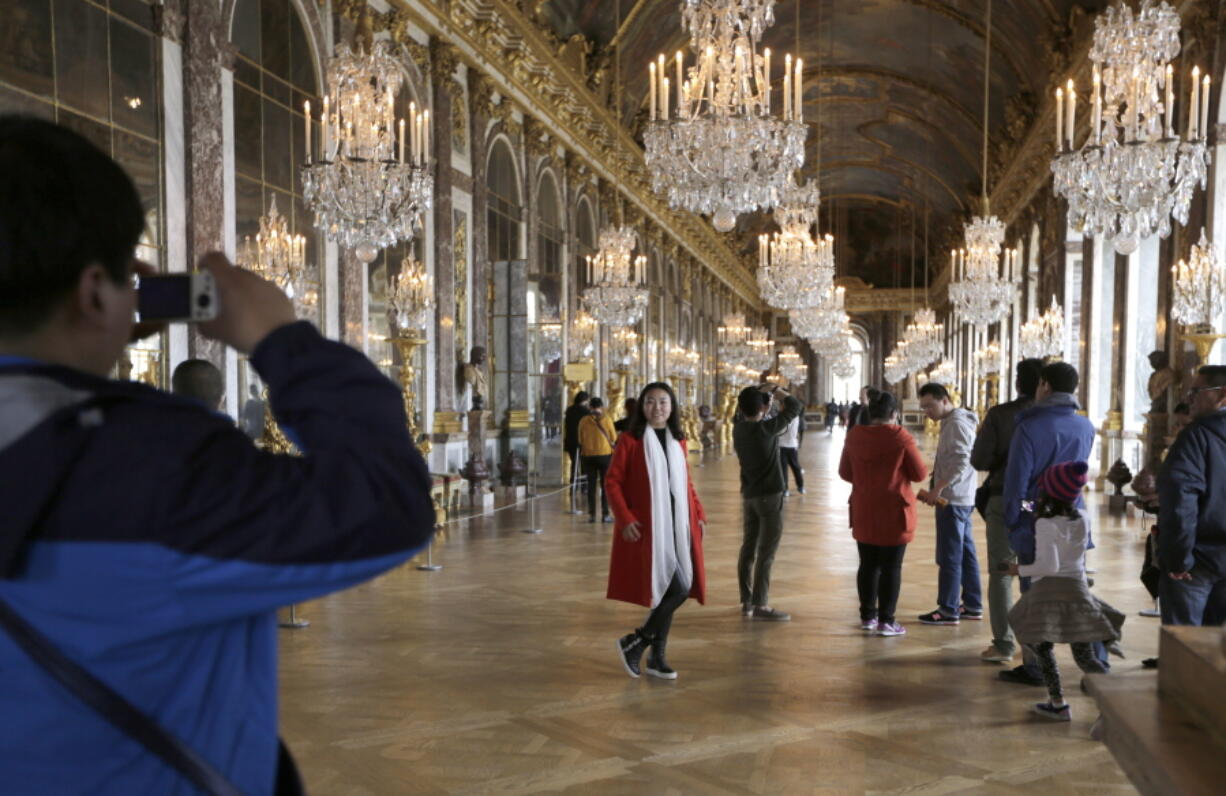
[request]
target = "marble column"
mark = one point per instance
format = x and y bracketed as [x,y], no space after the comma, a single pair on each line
[479,95]
[444,60]
[351,278]
[206,51]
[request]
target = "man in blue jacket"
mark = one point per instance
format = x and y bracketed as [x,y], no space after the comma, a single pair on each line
[1192,512]
[1049,432]
[142,534]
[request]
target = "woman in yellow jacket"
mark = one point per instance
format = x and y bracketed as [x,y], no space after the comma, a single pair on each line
[596,439]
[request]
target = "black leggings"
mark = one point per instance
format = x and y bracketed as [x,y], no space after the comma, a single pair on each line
[661,617]
[790,458]
[1083,656]
[878,580]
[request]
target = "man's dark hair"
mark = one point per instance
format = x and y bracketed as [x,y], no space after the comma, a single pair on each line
[199,380]
[1027,379]
[882,406]
[936,391]
[595,403]
[580,397]
[629,406]
[638,421]
[1182,409]
[1060,376]
[1214,375]
[750,401]
[64,205]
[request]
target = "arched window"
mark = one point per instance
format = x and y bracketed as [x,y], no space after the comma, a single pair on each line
[549,245]
[98,72]
[585,241]
[504,205]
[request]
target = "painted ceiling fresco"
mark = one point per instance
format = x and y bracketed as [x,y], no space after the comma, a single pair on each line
[893,87]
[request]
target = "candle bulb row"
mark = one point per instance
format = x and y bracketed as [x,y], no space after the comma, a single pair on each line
[598,270]
[750,84]
[1198,110]
[334,143]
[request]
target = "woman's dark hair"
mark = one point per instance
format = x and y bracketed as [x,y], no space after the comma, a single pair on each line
[64,205]
[638,421]
[595,403]
[1048,506]
[882,406]
[580,397]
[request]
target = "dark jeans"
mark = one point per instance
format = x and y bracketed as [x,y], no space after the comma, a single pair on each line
[1083,656]
[763,525]
[1200,601]
[594,470]
[574,477]
[790,458]
[878,580]
[959,576]
[660,620]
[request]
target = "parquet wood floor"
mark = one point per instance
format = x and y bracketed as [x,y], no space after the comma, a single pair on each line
[498,674]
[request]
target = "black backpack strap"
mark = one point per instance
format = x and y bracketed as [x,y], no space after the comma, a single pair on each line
[113,707]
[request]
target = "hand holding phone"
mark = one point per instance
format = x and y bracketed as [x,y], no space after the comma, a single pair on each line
[932,500]
[176,298]
[250,307]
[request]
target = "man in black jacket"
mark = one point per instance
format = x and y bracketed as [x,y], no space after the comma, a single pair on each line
[756,441]
[1192,512]
[570,441]
[991,453]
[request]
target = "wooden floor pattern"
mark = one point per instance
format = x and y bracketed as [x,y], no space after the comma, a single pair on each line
[498,673]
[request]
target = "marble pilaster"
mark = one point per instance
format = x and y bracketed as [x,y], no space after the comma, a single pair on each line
[206,51]
[442,86]
[351,279]
[479,223]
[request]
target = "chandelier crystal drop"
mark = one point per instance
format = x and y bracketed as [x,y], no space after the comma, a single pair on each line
[761,350]
[843,367]
[712,145]
[618,294]
[983,291]
[794,270]
[791,365]
[1200,286]
[734,339]
[1043,336]
[1133,172]
[280,257]
[367,193]
[988,359]
[549,343]
[944,373]
[895,370]
[411,298]
[624,349]
[826,320]
[925,339]
[583,331]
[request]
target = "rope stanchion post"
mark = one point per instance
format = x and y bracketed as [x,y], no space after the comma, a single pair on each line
[532,491]
[430,566]
[294,623]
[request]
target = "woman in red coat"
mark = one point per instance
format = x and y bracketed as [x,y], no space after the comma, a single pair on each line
[881,461]
[658,527]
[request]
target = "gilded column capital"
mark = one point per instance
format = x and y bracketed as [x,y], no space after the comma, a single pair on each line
[444,57]
[481,95]
[537,139]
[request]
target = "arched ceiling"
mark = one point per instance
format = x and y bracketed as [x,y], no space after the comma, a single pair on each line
[893,91]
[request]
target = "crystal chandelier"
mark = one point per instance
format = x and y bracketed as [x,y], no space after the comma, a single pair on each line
[1043,337]
[365,192]
[280,257]
[925,339]
[1200,286]
[983,290]
[618,295]
[944,373]
[548,343]
[411,298]
[1133,172]
[712,145]
[895,370]
[825,320]
[583,331]
[794,270]
[988,358]
[624,349]
[843,367]
[761,350]
[734,339]
[792,366]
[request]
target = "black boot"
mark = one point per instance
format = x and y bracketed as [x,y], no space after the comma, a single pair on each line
[656,665]
[630,650]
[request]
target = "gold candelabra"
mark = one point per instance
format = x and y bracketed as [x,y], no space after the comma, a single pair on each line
[407,343]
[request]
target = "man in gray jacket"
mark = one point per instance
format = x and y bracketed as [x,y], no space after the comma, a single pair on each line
[953,495]
[991,453]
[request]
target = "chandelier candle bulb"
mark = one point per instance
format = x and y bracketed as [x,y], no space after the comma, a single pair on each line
[425,137]
[1193,127]
[651,88]
[1059,120]
[799,103]
[766,80]
[1204,108]
[324,131]
[1097,110]
[1071,117]
[306,122]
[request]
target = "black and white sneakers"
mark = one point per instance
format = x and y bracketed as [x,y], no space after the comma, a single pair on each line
[630,651]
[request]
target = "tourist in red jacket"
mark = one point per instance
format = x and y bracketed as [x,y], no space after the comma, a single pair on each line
[881,461]
[658,527]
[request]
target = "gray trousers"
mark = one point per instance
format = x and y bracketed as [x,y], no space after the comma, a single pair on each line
[1000,585]
[763,525]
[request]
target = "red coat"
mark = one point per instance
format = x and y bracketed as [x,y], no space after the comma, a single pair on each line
[881,463]
[629,492]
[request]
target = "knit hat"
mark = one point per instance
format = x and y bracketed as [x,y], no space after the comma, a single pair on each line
[1064,481]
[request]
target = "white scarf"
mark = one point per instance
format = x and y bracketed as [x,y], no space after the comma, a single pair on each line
[668,475]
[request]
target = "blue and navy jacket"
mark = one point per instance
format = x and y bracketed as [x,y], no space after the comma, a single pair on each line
[1050,432]
[152,543]
[1192,512]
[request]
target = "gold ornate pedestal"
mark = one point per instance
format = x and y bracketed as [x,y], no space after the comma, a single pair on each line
[406,345]
[1203,341]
